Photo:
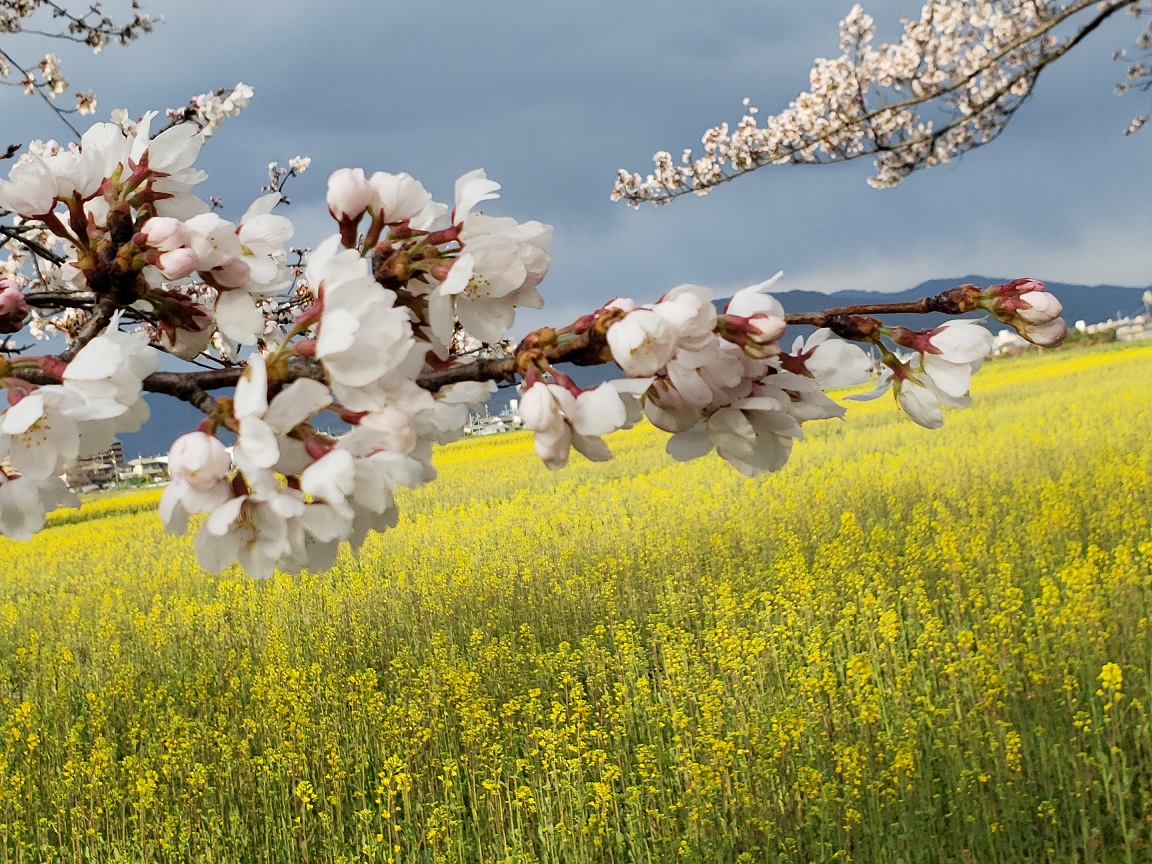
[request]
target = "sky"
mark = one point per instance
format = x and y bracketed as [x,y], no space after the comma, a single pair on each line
[552,98]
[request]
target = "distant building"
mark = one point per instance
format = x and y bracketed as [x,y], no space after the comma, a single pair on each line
[147,467]
[486,425]
[1134,329]
[102,469]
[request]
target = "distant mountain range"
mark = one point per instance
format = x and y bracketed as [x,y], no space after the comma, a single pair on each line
[171,418]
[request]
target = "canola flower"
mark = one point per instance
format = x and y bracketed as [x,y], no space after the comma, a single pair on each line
[918,647]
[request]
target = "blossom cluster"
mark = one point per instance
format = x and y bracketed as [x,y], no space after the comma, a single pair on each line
[950,83]
[395,327]
[47,427]
[384,305]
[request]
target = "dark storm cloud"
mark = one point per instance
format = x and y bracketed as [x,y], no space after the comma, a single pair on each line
[552,98]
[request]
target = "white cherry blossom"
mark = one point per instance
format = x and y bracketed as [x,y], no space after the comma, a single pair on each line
[362,335]
[471,189]
[30,189]
[831,362]
[37,434]
[397,197]
[262,443]
[348,194]
[642,343]
[562,421]
[263,531]
[25,501]
[113,366]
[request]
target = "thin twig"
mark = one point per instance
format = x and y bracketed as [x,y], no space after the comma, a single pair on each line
[16,232]
[101,315]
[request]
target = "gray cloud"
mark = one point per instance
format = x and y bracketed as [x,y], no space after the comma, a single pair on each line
[552,98]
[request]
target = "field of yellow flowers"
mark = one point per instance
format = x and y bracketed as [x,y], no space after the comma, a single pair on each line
[909,646]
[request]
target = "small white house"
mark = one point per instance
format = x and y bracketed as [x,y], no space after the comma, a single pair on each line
[149,467]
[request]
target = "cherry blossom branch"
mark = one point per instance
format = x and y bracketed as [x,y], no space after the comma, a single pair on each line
[588,348]
[61,300]
[399,327]
[90,27]
[46,89]
[832,122]
[954,301]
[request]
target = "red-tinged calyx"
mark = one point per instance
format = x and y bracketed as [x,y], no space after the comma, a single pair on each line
[1015,288]
[446,235]
[316,448]
[51,366]
[756,335]
[348,232]
[564,381]
[352,418]
[919,341]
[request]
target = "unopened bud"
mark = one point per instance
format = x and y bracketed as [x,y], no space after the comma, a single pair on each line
[756,334]
[1045,335]
[13,308]
[349,194]
[178,264]
[1026,307]
[621,304]
[164,234]
[233,274]
[1038,307]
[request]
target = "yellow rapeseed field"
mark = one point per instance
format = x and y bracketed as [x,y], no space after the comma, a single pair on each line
[907,647]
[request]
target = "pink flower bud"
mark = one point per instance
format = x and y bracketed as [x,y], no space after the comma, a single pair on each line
[178,263]
[1046,335]
[767,328]
[756,334]
[13,308]
[1038,307]
[1024,305]
[165,234]
[349,194]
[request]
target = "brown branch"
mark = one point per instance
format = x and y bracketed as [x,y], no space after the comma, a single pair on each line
[584,349]
[38,89]
[189,387]
[926,305]
[61,300]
